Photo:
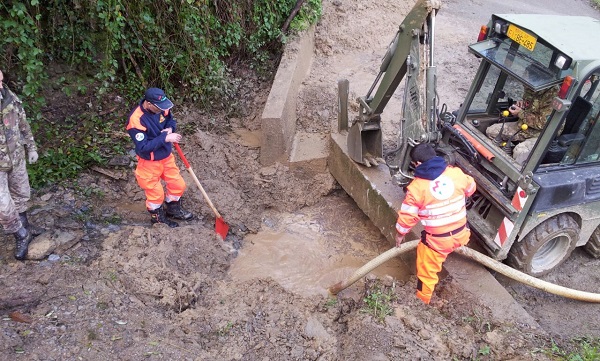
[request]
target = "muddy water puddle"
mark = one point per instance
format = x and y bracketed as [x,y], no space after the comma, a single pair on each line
[310,250]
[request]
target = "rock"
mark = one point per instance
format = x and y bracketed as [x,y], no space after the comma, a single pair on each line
[424,334]
[52,242]
[379,357]
[120,160]
[40,247]
[268,171]
[314,329]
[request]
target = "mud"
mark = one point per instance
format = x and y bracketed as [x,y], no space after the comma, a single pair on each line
[125,290]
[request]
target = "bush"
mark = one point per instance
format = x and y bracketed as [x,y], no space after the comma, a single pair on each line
[184,47]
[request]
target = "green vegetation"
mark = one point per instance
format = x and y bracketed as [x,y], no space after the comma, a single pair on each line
[331,302]
[579,349]
[96,51]
[379,301]
[224,330]
[477,322]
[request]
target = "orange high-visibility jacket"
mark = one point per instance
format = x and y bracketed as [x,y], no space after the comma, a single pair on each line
[438,203]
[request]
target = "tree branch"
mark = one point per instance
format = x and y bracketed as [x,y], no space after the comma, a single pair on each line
[293,14]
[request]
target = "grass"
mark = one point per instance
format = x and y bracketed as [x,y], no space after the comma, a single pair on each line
[477,322]
[579,349]
[378,301]
[224,331]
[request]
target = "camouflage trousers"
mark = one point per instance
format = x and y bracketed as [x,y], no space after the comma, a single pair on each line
[14,196]
[509,130]
[522,150]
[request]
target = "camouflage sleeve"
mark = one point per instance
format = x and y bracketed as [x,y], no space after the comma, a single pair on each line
[536,114]
[25,130]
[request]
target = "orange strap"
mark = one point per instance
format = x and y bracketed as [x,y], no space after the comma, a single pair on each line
[480,148]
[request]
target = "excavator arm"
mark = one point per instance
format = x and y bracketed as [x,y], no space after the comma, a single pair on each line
[412,44]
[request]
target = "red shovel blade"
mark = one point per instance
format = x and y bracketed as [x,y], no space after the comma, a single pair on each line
[221,227]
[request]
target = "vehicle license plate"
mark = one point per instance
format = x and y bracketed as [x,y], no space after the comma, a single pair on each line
[521,37]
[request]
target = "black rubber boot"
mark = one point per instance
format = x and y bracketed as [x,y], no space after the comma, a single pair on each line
[34,230]
[22,239]
[158,216]
[175,210]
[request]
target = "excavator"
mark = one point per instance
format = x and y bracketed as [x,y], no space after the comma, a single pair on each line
[532,212]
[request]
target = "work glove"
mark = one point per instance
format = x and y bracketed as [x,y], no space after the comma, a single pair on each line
[399,239]
[173,138]
[32,156]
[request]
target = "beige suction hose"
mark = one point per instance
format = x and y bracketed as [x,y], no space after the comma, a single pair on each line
[372,264]
[476,256]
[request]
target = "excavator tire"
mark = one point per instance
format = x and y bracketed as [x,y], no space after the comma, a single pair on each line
[593,245]
[545,247]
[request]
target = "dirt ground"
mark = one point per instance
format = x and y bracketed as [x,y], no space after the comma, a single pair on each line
[116,288]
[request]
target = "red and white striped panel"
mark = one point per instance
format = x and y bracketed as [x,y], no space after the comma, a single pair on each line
[504,231]
[519,199]
[507,226]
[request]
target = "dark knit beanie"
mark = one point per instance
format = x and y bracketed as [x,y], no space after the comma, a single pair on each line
[422,152]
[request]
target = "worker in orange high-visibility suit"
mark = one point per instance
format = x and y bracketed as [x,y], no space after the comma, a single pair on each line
[152,128]
[436,197]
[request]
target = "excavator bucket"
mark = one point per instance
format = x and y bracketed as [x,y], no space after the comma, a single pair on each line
[364,138]
[365,143]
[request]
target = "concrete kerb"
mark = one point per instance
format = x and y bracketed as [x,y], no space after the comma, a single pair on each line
[278,122]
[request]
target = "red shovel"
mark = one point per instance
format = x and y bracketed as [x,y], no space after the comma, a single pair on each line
[220,226]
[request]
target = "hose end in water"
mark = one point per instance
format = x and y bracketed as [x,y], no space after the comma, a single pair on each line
[336,288]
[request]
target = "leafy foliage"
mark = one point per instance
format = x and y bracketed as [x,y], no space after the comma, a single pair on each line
[577,349]
[77,144]
[378,301]
[185,47]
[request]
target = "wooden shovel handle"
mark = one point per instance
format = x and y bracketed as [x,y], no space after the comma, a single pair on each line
[191,171]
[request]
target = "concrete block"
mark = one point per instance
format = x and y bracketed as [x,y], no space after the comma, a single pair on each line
[480,283]
[278,121]
[309,153]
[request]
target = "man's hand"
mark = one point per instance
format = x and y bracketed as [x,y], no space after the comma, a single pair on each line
[173,138]
[514,109]
[169,130]
[399,239]
[32,156]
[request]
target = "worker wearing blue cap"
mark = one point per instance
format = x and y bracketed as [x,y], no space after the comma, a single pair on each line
[152,128]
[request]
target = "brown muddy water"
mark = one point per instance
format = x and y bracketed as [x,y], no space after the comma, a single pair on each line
[308,251]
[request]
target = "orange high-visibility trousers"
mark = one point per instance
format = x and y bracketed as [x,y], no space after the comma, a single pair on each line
[149,174]
[430,260]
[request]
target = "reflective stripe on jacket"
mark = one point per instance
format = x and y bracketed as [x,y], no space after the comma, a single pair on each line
[439,204]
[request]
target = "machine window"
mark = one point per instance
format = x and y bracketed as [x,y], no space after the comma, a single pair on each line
[588,130]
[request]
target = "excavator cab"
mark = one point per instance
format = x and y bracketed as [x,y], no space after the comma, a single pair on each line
[536,198]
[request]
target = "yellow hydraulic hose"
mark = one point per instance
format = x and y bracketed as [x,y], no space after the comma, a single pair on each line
[476,256]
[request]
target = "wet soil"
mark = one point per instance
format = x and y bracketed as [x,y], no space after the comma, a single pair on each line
[115,287]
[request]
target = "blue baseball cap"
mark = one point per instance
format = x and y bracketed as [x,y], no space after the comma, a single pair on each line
[157,97]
